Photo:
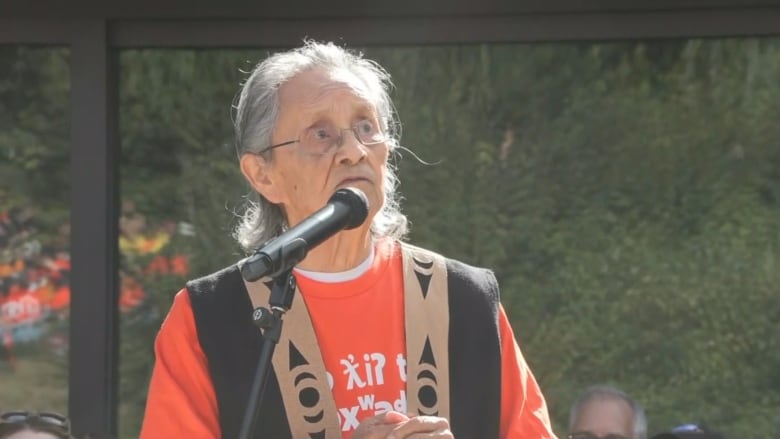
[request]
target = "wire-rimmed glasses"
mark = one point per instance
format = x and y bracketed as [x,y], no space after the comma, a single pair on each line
[324,138]
[46,421]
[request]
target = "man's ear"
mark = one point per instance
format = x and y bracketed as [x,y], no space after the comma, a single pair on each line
[257,171]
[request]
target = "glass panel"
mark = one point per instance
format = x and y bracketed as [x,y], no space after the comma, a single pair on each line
[34,228]
[626,195]
[174,219]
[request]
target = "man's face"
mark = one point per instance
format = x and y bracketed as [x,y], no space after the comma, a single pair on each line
[604,417]
[316,101]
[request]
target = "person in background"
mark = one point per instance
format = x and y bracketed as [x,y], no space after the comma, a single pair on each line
[34,425]
[384,339]
[606,412]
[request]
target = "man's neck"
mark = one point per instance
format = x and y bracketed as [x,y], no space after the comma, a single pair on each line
[344,251]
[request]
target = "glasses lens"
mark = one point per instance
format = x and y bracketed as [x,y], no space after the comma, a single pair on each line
[14,417]
[323,138]
[49,421]
[686,428]
[368,132]
[319,139]
[54,419]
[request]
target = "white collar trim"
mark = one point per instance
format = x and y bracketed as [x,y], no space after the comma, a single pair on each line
[341,276]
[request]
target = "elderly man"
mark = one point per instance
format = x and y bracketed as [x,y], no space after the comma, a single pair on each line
[605,412]
[384,340]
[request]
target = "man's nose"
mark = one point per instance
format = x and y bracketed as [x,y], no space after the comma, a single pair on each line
[350,149]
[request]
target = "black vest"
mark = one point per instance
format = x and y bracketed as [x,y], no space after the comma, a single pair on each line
[232,344]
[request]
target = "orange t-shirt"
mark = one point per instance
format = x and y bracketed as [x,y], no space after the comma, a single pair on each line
[359,324]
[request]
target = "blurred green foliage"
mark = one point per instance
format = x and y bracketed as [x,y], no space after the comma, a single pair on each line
[626,194]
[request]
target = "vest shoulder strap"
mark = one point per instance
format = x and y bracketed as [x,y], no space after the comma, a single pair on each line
[300,369]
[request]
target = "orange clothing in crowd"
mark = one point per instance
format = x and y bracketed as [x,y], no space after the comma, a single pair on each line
[366,367]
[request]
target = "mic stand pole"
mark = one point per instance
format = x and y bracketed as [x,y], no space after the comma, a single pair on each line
[270,322]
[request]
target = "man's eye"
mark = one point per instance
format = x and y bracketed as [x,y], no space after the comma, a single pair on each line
[322,134]
[366,127]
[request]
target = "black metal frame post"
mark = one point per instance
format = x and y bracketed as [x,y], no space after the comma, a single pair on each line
[94,339]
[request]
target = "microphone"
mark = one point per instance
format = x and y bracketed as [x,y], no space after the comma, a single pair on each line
[346,209]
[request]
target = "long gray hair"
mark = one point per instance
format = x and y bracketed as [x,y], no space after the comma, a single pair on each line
[256,115]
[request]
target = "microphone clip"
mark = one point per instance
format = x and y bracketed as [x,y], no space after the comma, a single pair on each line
[263,263]
[282,293]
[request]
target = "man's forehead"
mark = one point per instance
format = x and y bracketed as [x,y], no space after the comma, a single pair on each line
[345,76]
[312,86]
[604,414]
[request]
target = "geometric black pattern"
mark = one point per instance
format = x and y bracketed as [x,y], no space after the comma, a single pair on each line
[427,396]
[425,281]
[423,273]
[427,354]
[296,358]
[426,265]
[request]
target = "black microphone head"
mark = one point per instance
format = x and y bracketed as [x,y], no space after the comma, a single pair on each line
[357,203]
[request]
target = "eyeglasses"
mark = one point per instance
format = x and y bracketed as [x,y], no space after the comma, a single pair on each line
[45,421]
[324,138]
[688,428]
[589,435]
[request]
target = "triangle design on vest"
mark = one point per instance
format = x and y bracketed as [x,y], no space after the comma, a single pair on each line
[425,281]
[427,354]
[424,272]
[296,358]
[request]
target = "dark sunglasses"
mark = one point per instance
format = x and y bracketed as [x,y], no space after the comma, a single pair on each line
[49,422]
[589,435]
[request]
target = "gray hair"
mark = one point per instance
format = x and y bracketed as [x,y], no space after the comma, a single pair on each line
[256,115]
[605,392]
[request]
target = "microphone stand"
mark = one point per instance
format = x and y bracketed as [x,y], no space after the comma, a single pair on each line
[347,208]
[270,322]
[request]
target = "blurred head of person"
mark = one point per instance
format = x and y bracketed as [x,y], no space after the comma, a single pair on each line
[34,425]
[606,412]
